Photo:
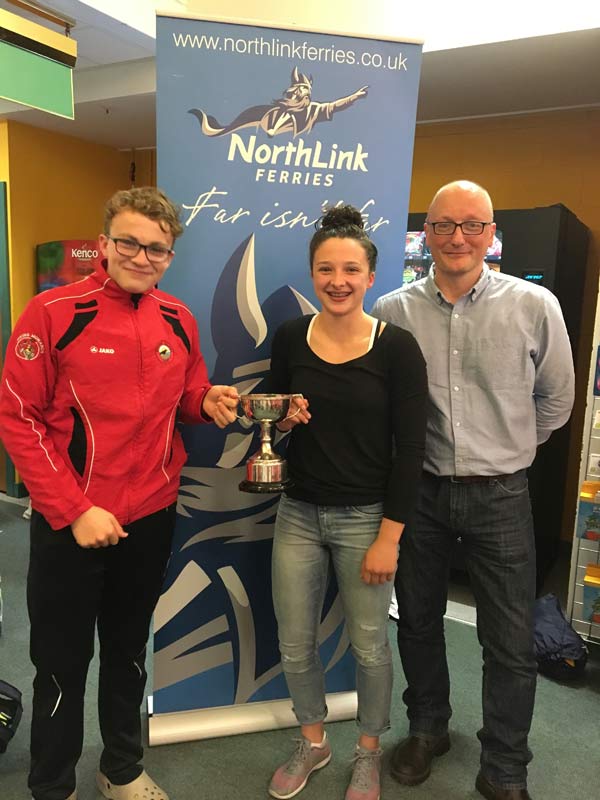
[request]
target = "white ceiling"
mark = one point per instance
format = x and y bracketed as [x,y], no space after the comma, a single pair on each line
[115,80]
[558,71]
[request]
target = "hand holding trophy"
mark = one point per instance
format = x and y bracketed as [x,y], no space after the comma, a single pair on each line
[265,470]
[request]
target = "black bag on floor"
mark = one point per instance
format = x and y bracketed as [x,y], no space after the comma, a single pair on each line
[11,709]
[560,651]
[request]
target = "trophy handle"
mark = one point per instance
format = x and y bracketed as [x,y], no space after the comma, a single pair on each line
[242,415]
[298,410]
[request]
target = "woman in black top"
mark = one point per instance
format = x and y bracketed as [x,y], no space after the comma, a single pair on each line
[355,465]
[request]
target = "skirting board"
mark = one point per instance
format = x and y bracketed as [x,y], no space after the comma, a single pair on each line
[210,723]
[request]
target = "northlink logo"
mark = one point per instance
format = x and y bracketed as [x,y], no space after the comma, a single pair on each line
[296,155]
[293,113]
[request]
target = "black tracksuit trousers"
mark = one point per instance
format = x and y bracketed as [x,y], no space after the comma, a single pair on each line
[70,590]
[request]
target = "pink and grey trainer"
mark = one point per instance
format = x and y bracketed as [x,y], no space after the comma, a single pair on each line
[365,783]
[290,778]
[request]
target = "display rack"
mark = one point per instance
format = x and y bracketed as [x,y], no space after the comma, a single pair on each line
[586,551]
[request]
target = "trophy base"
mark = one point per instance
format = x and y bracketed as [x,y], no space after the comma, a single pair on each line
[256,487]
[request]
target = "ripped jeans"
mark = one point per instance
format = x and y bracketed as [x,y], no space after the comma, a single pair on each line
[306,537]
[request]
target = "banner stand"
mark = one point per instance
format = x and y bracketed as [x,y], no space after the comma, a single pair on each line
[210,723]
[260,128]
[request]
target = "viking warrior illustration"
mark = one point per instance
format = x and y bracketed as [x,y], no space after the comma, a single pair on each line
[293,113]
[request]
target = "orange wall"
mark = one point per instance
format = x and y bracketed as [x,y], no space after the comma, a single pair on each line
[145,166]
[524,161]
[57,189]
[3,151]
[527,161]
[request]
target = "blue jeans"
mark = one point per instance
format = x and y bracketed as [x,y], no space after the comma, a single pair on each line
[493,520]
[306,537]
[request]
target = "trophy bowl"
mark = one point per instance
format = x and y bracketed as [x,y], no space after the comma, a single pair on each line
[266,472]
[266,407]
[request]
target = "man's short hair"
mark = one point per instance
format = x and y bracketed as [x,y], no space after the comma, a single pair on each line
[149,201]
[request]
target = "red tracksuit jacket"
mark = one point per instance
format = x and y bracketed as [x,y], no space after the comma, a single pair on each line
[93,383]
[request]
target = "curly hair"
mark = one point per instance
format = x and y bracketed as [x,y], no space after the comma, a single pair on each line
[149,201]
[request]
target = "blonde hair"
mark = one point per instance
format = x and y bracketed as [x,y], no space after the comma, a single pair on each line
[149,201]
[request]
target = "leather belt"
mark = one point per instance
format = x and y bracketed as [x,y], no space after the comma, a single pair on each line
[473,478]
[468,478]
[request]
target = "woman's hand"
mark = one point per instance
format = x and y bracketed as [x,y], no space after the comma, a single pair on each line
[220,403]
[379,562]
[298,404]
[381,559]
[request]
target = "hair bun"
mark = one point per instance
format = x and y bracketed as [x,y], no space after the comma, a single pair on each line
[341,216]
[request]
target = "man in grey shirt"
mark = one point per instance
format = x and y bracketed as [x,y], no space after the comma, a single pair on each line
[500,381]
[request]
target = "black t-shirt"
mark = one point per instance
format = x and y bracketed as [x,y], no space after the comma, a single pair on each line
[366,437]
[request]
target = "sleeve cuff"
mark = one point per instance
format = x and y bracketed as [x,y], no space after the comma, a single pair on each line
[203,415]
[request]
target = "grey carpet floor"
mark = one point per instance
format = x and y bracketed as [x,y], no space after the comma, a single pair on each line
[564,736]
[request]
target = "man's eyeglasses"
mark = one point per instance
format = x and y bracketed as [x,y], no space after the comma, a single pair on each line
[155,253]
[469,228]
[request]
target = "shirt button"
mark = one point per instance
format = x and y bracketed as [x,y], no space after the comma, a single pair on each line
[457,388]
[456,316]
[458,424]
[455,352]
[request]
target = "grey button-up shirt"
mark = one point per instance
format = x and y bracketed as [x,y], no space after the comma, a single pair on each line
[500,370]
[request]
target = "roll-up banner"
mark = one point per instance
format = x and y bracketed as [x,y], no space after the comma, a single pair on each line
[259,130]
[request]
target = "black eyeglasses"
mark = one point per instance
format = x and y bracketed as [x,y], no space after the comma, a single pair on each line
[469,228]
[155,253]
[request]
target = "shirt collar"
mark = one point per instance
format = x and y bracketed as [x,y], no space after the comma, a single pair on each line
[436,294]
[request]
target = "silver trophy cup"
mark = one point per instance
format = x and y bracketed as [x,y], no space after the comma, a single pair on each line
[265,470]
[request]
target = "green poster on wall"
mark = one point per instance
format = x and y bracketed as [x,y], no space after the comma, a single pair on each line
[36,81]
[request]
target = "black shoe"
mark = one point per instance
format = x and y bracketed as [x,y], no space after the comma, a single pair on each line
[411,760]
[493,792]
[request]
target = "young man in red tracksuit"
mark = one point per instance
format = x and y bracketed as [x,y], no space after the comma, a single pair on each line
[96,376]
